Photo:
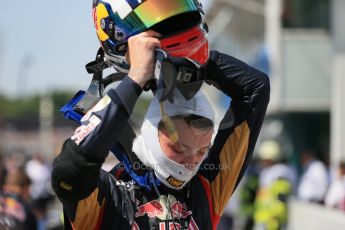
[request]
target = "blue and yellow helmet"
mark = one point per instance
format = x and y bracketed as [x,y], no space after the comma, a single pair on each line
[117,20]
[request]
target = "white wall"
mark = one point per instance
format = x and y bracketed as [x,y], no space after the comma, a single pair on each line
[304,216]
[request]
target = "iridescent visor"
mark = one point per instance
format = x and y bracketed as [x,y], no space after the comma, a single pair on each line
[151,12]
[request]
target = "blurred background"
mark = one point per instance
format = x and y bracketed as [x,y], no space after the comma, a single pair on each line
[300,44]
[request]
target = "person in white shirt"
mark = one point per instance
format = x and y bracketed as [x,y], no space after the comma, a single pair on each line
[335,197]
[39,173]
[314,182]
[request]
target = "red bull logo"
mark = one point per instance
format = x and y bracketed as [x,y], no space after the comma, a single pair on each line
[152,209]
[160,209]
[179,210]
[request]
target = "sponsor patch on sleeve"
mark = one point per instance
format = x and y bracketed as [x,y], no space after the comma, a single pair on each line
[104,102]
[84,130]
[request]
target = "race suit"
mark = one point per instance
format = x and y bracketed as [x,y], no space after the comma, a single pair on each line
[95,199]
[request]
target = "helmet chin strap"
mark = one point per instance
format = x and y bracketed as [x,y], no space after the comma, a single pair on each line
[170,73]
[183,74]
[118,62]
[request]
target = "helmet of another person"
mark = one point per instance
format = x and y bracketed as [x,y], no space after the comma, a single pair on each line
[270,150]
[178,21]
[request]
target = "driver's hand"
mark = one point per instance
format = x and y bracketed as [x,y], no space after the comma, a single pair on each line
[141,56]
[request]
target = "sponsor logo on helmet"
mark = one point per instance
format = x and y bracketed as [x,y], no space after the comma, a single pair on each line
[174,182]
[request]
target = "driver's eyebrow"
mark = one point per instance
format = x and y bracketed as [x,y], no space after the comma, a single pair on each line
[186,146]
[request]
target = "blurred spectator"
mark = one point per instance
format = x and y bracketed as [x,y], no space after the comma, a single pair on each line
[14,210]
[39,173]
[335,197]
[14,160]
[248,189]
[3,170]
[227,219]
[314,181]
[276,182]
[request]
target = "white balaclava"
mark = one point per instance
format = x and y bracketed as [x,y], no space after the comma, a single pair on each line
[147,146]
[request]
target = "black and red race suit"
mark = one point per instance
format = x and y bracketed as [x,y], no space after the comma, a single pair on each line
[95,199]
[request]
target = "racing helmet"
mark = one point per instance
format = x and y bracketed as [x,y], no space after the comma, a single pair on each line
[178,21]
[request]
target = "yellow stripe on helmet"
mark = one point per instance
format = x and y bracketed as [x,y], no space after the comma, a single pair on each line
[99,13]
